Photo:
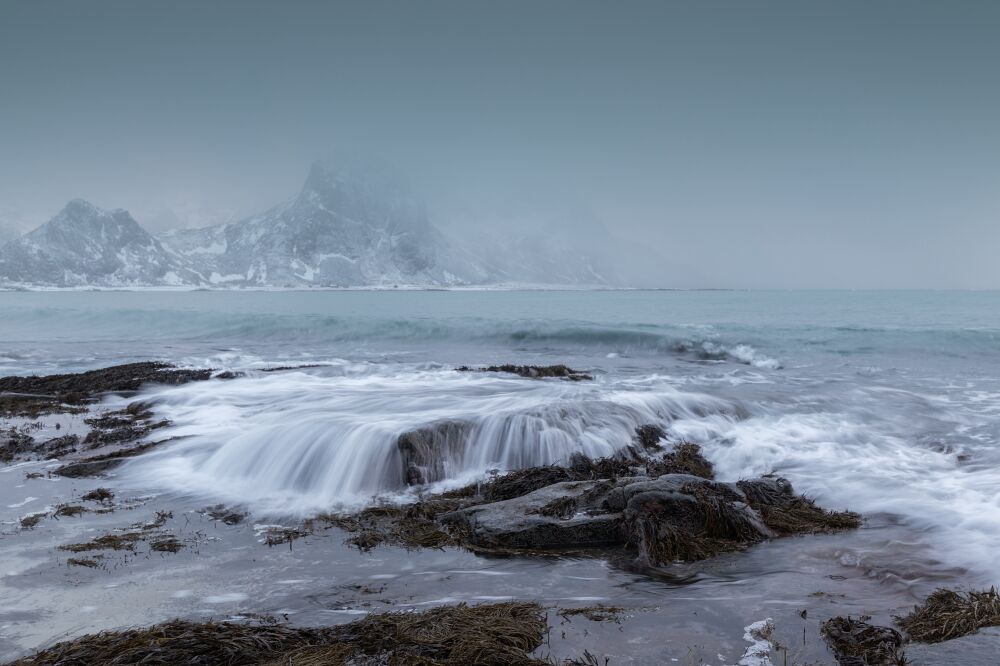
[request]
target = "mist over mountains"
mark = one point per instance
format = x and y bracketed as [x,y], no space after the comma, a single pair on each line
[349,226]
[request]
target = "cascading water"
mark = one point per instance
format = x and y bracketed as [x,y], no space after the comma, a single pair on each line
[326,438]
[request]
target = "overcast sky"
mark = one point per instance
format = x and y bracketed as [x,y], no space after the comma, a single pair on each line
[770,144]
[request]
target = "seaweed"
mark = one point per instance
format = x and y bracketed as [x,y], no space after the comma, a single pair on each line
[120,541]
[69,510]
[685,458]
[102,495]
[94,465]
[665,528]
[226,515]
[787,514]
[32,396]
[277,535]
[648,436]
[561,507]
[856,643]
[598,613]
[83,562]
[166,544]
[411,526]
[32,519]
[947,614]
[496,634]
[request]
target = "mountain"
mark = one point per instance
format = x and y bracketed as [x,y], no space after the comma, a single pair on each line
[346,227]
[349,226]
[86,246]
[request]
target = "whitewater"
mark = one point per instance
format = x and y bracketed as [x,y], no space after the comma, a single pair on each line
[885,403]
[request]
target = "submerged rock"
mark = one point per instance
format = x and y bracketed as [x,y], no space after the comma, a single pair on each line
[533,371]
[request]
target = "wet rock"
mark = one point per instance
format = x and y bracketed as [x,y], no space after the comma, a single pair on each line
[425,452]
[520,524]
[684,517]
[683,459]
[533,371]
[854,642]
[30,396]
[672,517]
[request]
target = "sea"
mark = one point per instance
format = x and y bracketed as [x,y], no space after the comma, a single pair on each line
[882,402]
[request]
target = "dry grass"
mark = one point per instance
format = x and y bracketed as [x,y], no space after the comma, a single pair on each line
[946,614]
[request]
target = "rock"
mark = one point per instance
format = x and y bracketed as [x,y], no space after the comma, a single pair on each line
[533,371]
[33,395]
[663,519]
[426,452]
[520,523]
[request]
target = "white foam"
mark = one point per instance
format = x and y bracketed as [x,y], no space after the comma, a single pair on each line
[298,442]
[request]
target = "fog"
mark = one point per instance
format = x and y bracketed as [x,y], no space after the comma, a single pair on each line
[746,145]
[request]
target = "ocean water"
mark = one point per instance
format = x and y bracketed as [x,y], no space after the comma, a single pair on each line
[887,403]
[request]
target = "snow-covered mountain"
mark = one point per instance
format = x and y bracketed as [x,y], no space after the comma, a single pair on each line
[345,228]
[349,226]
[86,246]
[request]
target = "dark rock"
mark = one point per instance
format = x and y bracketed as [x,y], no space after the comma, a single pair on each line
[519,524]
[426,451]
[533,371]
[52,393]
[663,519]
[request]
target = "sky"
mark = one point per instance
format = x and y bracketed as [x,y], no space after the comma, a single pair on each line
[830,144]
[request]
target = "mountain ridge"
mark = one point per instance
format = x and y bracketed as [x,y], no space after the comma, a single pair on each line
[347,227]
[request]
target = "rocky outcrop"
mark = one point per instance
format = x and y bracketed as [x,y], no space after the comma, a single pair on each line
[668,518]
[425,452]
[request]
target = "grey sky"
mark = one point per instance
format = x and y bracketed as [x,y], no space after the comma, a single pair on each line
[787,144]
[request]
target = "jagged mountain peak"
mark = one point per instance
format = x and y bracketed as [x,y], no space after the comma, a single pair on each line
[87,245]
